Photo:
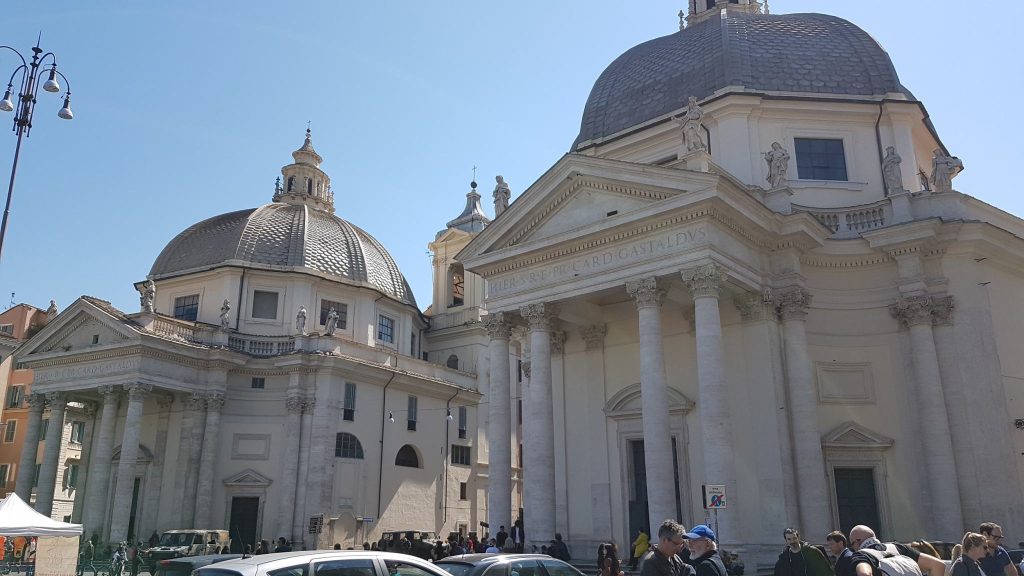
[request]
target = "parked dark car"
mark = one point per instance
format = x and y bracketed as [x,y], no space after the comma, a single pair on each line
[506,565]
[1016,556]
[186,564]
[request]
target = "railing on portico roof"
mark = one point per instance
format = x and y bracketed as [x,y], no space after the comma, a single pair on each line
[850,221]
[262,345]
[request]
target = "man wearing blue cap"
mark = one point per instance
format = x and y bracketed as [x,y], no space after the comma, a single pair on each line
[704,551]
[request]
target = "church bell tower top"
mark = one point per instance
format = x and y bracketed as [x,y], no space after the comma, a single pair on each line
[701,10]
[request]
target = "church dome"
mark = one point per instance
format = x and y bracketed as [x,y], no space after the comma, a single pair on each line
[749,52]
[298,232]
[285,237]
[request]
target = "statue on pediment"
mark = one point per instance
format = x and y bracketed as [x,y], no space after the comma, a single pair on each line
[892,171]
[502,194]
[778,165]
[147,296]
[693,127]
[944,169]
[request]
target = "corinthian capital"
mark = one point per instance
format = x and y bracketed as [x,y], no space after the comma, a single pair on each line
[36,402]
[557,342]
[540,316]
[215,401]
[499,326]
[913,310]
[942,311]
[645,292]
[137,391]
[706,280]
[526,368]
[54,399]
[752,307]
[594,336]
[293,403]
[792,303]
[194,403]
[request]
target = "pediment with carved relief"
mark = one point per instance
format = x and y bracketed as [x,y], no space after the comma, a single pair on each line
[248,478]
[81,326]
[851,435]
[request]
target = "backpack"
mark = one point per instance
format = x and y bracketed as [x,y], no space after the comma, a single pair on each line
[890,562]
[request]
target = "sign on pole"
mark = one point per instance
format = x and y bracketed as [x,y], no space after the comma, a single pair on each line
[316,524]
[714,496]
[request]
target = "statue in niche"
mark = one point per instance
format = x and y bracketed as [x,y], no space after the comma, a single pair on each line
[693,127]
[332,321]
[502,194]
[225,312]
[778,164]
[147,295]
[944,168]
[300,321]
[891,171]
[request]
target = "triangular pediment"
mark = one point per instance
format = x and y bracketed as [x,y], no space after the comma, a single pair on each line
[248,478]
[579,194]
[78,327]
[852,435]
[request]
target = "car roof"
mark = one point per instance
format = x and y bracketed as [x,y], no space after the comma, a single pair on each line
[311,555]
[492,557]
[205,558]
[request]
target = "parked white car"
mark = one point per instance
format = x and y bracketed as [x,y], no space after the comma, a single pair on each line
[324,563]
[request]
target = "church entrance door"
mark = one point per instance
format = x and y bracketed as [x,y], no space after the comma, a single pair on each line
[855,497]
[245,512]
[639,516]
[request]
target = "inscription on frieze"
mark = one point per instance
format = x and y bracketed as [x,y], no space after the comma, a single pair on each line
[87,371]
[560,270]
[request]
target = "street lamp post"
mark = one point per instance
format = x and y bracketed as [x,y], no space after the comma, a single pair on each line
[29,87]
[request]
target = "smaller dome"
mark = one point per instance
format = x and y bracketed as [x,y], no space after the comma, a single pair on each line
[285,237]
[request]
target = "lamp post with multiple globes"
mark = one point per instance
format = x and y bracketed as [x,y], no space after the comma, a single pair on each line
[27,77]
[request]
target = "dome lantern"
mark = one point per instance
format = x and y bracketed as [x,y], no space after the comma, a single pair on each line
[304,182]
[701,10]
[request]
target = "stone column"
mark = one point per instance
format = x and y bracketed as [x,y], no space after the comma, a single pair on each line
[190,441]
[290,466]
[597,424]
[705,285]
[539,430]
[915,313]
[83,473]
[51,453]
[154,488]
[204,488]
[499,423]
[299,519]
[126,464]
[808,459]
[661,504]
[94,514]
[29,447]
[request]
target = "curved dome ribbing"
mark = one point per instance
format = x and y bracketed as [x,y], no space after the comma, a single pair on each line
[285,236]
[804,53]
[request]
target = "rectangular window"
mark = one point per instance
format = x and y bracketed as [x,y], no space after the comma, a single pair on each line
[519,370]
[463,489]
[187,307]
[259,383]
[460,455]
[264,305]
[77,432]
[4,469]
[35,479]
[349,410]
[820,159]
[14,396]
[413,404]
[7,329]
[341,309]
[9,431]
[519,409]
[73,476]
[385,329]
[95,338]
[42,429]
[463,420]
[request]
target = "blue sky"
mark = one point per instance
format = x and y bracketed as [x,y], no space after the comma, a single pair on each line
[187,109]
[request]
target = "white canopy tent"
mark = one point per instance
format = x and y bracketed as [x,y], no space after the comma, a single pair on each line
[19,519]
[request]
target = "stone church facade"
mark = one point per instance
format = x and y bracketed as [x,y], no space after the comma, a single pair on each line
[751,270]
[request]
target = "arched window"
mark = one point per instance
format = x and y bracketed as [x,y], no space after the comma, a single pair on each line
[291,183]
[456,285]
[453,362]
[407,457]
[347,446]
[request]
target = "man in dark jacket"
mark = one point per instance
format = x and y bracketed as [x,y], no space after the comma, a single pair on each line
[558,549]
[800,558]
[836,542]
[662,559]
[704,551]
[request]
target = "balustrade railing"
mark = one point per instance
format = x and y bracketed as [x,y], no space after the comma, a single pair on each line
[851,221]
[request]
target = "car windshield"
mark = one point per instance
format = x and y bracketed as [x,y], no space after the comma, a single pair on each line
[456,568]
[428,536]
[176,539]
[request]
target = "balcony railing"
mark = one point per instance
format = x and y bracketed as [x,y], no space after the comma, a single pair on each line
[262,345]
[850,222]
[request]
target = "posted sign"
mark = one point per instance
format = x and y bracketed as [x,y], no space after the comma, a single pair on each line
[714,496]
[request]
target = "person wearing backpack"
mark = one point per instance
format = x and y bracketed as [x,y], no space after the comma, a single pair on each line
[873,558]
[800,558]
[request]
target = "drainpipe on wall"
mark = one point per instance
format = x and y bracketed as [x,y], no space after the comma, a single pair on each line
[447,453]
[383,417]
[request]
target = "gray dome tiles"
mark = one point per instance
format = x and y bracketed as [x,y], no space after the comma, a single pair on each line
[285,236]
[802,53]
